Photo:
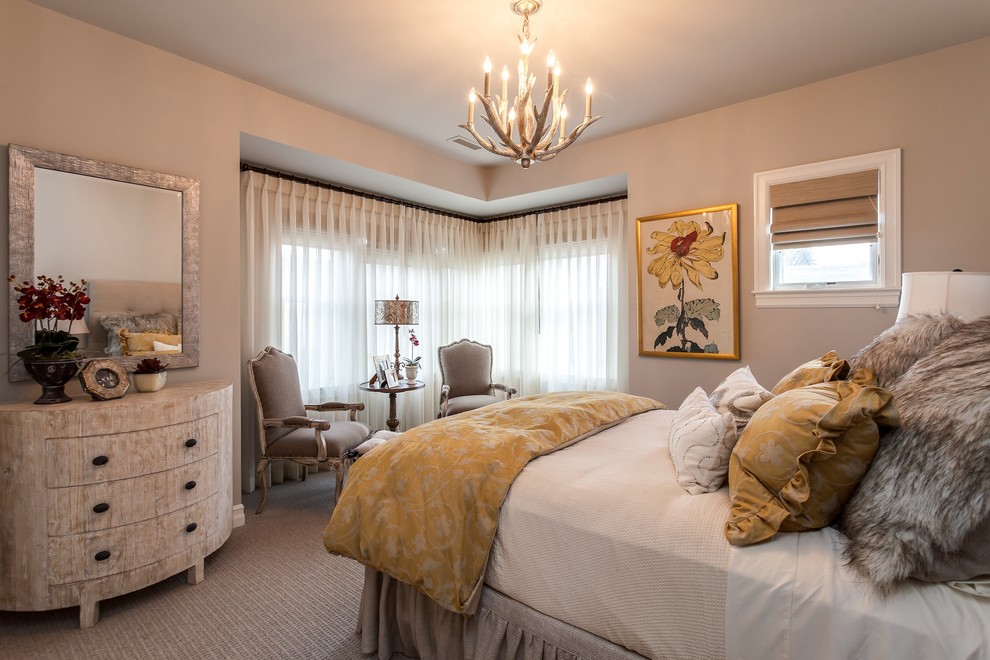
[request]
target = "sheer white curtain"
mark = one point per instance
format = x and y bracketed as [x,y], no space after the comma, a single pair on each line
[555,282]
[315,260]
[546,290]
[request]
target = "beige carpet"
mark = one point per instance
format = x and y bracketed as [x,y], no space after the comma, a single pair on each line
[271,591]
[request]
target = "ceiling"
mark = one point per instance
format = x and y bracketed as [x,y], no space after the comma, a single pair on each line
[406,66]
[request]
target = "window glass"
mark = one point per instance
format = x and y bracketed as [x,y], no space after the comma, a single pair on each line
[826,264]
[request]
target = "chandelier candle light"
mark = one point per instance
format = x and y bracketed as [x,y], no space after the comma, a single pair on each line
[537,128]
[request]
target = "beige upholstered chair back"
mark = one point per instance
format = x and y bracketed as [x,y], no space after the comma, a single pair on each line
[274,378]
[466,366]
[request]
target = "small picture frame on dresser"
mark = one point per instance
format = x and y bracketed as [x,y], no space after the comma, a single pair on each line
[104,379]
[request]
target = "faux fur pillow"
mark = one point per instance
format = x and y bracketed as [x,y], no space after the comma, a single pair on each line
[894,350]
[927,493]
[740,395]
[971,560]
[700,441]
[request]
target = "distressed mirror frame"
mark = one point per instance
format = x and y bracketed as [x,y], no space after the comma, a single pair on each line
[23,162]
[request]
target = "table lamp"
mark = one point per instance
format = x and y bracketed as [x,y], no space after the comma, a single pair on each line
[396,312]
[80,330]
[965,294]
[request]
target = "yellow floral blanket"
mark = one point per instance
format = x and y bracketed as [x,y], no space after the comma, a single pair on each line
[424,507]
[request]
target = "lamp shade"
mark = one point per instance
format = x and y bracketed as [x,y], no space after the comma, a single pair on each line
[965,294]
[396,312]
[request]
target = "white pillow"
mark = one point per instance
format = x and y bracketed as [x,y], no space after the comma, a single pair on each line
[161,346]
[740,395]
[379,438]
[700,442]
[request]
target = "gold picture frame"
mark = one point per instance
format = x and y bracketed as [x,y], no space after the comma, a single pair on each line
[688,281]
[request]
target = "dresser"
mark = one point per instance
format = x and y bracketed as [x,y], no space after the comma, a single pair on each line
[100,498]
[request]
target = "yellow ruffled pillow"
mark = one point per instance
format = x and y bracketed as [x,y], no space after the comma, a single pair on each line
[827,368]
[138,343]
[802,455]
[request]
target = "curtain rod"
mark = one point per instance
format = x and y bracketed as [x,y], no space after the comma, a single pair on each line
[245,166]
[562,207]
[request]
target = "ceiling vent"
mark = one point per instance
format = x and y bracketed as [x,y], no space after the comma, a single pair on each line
[464,142]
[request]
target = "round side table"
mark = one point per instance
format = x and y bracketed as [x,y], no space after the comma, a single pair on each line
[393,392]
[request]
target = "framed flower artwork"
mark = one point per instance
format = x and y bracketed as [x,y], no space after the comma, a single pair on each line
[688,275]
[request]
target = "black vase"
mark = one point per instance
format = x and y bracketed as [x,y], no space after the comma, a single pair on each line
[52,375]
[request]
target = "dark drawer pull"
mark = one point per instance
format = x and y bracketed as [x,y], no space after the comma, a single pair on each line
[191,442]
[102,555]
[191,527]
[102,507]
[101,460]
[190,485]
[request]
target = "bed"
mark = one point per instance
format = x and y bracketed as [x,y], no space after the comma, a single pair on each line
[601,552]
[145,312]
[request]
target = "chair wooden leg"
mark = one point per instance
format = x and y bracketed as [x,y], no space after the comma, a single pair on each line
[263,480]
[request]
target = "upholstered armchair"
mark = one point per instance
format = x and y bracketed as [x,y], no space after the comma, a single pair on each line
[284,429]
[466,374]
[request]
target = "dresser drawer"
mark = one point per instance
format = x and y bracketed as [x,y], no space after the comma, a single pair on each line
[77,509]
[100,458]
[119,549]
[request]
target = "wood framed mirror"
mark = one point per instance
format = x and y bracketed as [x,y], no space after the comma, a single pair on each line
[133,234]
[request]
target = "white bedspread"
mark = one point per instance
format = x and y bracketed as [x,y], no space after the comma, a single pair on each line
[791,598]
[602,537]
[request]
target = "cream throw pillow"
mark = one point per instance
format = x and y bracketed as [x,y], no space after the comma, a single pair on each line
[161,347]
[740,395]
[700,442]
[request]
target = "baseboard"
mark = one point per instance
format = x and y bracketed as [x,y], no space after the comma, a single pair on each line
[238,519]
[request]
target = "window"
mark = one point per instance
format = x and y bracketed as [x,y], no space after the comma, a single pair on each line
[544,289]
[827,234]
[574,305]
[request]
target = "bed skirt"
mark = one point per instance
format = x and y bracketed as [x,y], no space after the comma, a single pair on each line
[396,620]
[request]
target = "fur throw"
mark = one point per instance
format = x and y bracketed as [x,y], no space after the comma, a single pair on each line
[894,350]
[927,489]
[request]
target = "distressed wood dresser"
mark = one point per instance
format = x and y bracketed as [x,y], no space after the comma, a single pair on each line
[100,498]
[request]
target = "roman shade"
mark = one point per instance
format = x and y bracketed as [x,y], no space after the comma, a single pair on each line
[832,210]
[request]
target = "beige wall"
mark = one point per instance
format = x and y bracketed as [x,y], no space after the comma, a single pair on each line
[935,107]
[69,87]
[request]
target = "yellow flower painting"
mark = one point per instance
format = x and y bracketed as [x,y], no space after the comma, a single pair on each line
[679,255]
[687,248]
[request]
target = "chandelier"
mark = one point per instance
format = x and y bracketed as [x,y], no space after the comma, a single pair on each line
[525,131]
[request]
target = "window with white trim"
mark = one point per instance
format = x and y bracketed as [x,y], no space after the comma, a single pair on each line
[828,234]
